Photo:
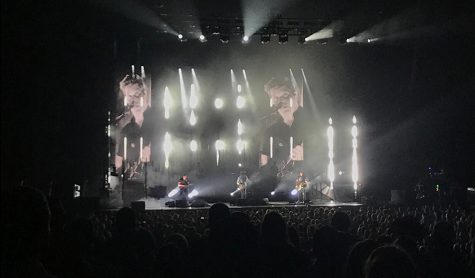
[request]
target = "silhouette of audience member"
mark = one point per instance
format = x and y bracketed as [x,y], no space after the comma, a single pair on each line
[324,242]
[441,260]
[357,258]
[217,212]
[278,257]
[389,262]
[26,226]
[76,254]
[131,248]
[409,245]
[173,252]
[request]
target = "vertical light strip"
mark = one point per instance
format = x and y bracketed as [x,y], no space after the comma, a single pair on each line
[331,166]
[354,173]
[125,148]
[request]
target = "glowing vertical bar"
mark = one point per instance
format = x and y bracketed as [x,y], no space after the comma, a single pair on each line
[193,97]
[167,147]
[240,127]
[271,143]
[141,101]
[125,101]
[331,166]
[141,147]
[192,118]
[133,70]
[142,71]
[167,102]
[291,145]
[125,148]
[354,160]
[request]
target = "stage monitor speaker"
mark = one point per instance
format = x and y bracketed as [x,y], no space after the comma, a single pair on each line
[181,203]
[398,197]
[138,205]
[199,203]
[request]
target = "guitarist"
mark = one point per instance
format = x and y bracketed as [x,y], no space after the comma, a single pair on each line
[242,182]
[301,186]
[183,184]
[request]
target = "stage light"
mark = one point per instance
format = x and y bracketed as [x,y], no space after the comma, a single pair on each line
[272,193]
[265,38]
[331,167]
[202,38]
[340,173]
[354,164]
[240,146]
[231,194]
[167,103]
[245,39]
[184,100]
[239,164]
[240,127]
[180,36]
[219,145]
[173,192]
[294,192]
[192,118]
[224,38]
[142,71]
[167,148]
[193,97]
[239,88]
[283,38]
[77,191]
[193,145]
[193,193]
[218,103]
[240,102]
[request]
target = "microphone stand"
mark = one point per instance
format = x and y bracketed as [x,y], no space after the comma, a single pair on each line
[123,182]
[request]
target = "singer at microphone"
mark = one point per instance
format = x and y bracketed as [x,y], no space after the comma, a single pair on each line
[282,136]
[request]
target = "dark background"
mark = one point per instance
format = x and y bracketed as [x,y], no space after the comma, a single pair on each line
[60,63]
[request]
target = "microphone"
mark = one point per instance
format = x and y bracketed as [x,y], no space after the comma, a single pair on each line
[124,113]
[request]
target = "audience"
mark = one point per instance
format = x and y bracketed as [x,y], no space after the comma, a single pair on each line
[366,241]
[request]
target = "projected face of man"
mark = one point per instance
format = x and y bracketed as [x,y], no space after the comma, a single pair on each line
[134,93]
[133,89]
[284,100]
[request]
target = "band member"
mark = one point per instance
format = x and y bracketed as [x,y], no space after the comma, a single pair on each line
[283,129]
[183,184]
[242,182]
[131,123]
[301,186]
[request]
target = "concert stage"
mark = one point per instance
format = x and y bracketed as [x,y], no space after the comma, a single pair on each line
[154,204]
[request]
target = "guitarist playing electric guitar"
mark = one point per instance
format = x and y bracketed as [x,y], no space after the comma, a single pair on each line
[301,186]
[242,182]
[183,184]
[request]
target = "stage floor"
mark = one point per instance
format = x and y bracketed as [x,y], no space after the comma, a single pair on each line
[153,204]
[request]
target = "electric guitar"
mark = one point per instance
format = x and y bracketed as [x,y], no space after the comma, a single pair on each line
[241,185]
[300,184]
